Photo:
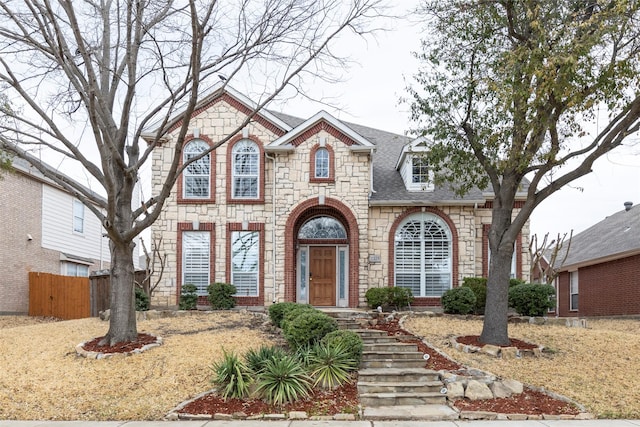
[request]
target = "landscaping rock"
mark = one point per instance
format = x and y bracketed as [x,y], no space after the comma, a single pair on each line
[455,390]
[492,350]
[516,387]
[499,390]
[477,391]
[510,353]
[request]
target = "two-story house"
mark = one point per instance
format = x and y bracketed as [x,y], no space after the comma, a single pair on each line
[313,210]
[43,228]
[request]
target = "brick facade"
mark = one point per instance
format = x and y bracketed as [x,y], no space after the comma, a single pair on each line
[607,289]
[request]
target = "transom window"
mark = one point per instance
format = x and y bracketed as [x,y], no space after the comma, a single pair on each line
[423,255]
[197,174]
[245,247]
[322,163]
[322,227]
[196,259]
[245,169]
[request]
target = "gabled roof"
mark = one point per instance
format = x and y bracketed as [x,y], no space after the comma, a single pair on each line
[320,121]
[417,145]
[223,92]
[616,236]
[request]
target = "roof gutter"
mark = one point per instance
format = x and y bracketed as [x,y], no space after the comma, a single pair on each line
[425,202]
[587,263]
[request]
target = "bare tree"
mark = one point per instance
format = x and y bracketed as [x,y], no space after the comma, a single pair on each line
[92,76]
[155,263]
[544,256]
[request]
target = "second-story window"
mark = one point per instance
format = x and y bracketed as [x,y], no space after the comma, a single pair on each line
[419,170]
[197,174]
[245,170]
[322,163]
[78,216]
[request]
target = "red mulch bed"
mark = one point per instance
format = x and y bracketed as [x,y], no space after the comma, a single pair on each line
[529,402]
[514,342]
[121,347]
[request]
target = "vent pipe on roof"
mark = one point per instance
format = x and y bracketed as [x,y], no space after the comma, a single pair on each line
[627,206]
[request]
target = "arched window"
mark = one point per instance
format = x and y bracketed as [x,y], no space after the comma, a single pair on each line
[245,170]
[423,250]
[197,175]
[322,163]
[322,227]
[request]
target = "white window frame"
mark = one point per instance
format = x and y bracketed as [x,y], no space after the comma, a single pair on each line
[196,260]
[574,290]
[422,182]
[197,170]
[245,263]
[245,148]
[418,253]
[75,269]
[321,163]
[78,216]
[513,274]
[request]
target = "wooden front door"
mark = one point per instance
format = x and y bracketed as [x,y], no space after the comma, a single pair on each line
[322,276]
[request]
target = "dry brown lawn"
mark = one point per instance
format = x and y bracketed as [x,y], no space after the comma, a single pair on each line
[596,367]
[42,378]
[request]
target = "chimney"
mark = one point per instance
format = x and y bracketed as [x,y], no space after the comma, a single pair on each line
[627,206]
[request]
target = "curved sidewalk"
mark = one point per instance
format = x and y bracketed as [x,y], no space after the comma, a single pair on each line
[288,423]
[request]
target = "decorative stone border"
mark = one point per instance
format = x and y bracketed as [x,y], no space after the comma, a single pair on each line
[98,355]
[495,351]
[293,415]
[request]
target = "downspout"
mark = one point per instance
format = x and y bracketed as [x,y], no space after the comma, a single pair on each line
[475,237]
[371,171]
[273,230]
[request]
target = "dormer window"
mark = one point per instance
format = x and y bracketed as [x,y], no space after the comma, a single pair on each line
[414,167]
[419,171]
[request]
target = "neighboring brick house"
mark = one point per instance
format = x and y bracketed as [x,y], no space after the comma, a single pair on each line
[313,210]
[44,229]
[601,274]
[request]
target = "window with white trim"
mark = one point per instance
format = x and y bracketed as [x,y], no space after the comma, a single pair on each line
[75,269]
[513,273]
[423,255]
[245,170]
[573,291]
[197,175]
[196,259]
[322,163]
[78,217]
[245,259]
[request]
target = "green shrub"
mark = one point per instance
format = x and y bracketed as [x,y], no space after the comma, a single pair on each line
[232,376]
[400,297]
[283,380]
[257,359]
[277,311]
[389,296]
[293,312]
[308,328]
[221,296]
[531,299]
[459,300]
[377,297]
[349,339]
[331,365]
[479,287]
[142,299]
[188,297]
[516,282]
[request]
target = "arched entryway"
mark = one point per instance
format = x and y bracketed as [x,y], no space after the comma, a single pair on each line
[321,264]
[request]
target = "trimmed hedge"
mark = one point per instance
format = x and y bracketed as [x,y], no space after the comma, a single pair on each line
[532,299]
[479,287]
[349,339]
[459,300]
[397,297]
[308,327]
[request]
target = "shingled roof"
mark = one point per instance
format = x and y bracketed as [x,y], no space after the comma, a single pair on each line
[616,236]
[389,188]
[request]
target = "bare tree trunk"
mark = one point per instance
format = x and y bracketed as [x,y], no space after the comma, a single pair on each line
[495,326]
[122,321]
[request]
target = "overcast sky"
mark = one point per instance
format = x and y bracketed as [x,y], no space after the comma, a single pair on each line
[370,96]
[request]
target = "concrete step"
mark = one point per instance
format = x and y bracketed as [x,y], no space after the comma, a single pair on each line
[400,387]
[366,333]
[378,339]
[392,355]
[393,399]
[410,413]
[352,326]
[392,363]
[396,347]
[397,375]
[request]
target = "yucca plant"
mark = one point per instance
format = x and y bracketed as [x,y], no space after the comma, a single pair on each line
[283,380]
[304,354]
[232,376]
[257,359]
[331,365]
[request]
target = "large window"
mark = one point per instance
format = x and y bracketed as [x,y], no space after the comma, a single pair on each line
[196,259]
[423,255]
[197,175]
[245,170]
[573,291]
[322,227]
[78,216]
[245,265]
[75,269]
[322,163]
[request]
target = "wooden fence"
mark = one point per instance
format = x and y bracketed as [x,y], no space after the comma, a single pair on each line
[63,297]
[67,297]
